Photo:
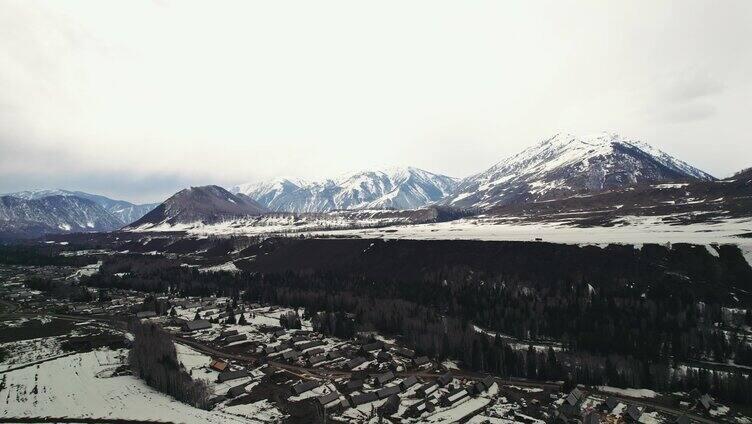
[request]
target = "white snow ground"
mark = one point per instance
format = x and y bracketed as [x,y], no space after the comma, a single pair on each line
[640,230]
[631,230]
[635,230]
[29,351]
[80,386]
[635,393]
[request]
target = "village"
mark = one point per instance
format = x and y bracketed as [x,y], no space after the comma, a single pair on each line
[270,363]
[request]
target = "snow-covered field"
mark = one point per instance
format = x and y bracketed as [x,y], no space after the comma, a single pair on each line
[225,267]
[636,230]
[81,386]
[25,352]
[86,271]
[518,344]
[284,223]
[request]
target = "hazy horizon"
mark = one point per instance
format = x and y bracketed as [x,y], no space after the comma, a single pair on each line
[137,100]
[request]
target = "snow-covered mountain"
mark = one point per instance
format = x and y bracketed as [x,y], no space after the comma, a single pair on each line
[271,192]
[21,217]
[567,164]
[124,212]
[389,188]
[206,204]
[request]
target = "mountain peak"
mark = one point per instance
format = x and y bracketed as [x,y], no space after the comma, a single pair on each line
[210,203]
[568,163]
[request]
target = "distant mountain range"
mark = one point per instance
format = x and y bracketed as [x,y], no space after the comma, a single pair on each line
[390,188]
[35,212]
[52,214]
[124,212]
[561,174]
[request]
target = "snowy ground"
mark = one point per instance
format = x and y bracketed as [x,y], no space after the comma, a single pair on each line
[226,267]
[285,223]
[29,351]
[80,386]
[635,393]
[197,364]
[518,344]
[637,230]
[86,271]
[24,346]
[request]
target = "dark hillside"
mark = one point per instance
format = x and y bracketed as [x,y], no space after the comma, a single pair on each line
[534,262]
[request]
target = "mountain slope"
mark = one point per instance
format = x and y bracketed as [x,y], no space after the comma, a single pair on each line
[205,204]
[675,203]
[566,164]
[52,214]
[391,188]
[269,193]
[125,212]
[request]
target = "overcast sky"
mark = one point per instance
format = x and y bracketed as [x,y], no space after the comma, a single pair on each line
[136,100]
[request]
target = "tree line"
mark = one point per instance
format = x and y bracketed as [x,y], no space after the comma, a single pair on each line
[153,359]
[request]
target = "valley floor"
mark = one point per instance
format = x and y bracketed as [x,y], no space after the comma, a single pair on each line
[635,230]
[625,230]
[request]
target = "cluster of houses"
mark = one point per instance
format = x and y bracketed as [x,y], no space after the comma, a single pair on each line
[364,389]
[308,348]
[377,371]
[207,310]
[12,286]
[17,293]
[571,410]
[450,396]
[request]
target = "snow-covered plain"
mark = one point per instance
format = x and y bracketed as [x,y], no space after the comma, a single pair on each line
[29,351]
[629,230]
[81,386]
[282,223]
[637,230]
[634,230]
[226,267]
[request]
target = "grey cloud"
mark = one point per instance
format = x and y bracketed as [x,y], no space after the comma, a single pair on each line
[88,103]
[25,166]
[130,187]
[688,113]
[688,85]
[686,95]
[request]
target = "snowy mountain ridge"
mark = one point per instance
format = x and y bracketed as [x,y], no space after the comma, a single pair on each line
[566,164]
[385,188]
[123,211]
[53,214]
